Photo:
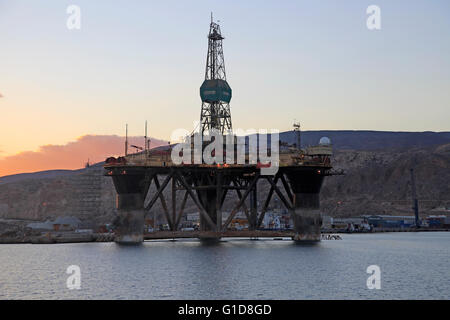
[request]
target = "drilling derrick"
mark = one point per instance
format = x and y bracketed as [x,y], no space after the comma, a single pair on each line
[215,91]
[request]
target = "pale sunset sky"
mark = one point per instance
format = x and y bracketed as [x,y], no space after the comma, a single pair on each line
[69,91]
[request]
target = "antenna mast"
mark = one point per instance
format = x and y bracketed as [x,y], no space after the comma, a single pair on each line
[145,137]
[126,139]
[297,134]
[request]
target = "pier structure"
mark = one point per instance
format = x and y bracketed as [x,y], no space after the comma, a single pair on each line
[297,182]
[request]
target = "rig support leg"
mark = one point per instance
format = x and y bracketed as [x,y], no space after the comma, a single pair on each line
[209,199]
[211,202]
[253,221]
[130,220]
[306,216]
[305,186]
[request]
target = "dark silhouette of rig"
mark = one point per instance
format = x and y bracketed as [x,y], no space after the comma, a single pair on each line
[297,182]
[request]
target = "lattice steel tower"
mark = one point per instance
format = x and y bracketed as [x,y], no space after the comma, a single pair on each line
[215,91]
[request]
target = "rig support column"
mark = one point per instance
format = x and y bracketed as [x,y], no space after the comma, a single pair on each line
[307,217]
[208,200]
[252,224]
[306,204]
[132,186]
[130,220]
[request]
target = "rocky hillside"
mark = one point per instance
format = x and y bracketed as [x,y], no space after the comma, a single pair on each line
[379,182]
[85,193]
[376,182]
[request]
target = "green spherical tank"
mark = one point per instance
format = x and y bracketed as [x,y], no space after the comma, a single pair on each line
[215,90]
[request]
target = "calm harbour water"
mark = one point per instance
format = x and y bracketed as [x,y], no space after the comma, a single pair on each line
[413,266]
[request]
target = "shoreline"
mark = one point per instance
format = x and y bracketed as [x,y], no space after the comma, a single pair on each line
[55,238]
[72,237]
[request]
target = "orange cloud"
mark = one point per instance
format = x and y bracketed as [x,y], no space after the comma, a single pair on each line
[72,155]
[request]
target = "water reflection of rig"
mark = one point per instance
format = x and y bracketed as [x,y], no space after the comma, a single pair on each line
[297,182]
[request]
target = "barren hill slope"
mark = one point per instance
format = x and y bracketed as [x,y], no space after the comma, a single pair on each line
[376,182]
[379,182]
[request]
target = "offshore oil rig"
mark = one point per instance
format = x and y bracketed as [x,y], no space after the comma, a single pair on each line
[297,181]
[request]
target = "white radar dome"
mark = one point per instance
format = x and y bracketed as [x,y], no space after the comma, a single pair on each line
[324,141]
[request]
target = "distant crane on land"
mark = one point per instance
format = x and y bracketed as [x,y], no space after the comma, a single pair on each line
[414,197]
